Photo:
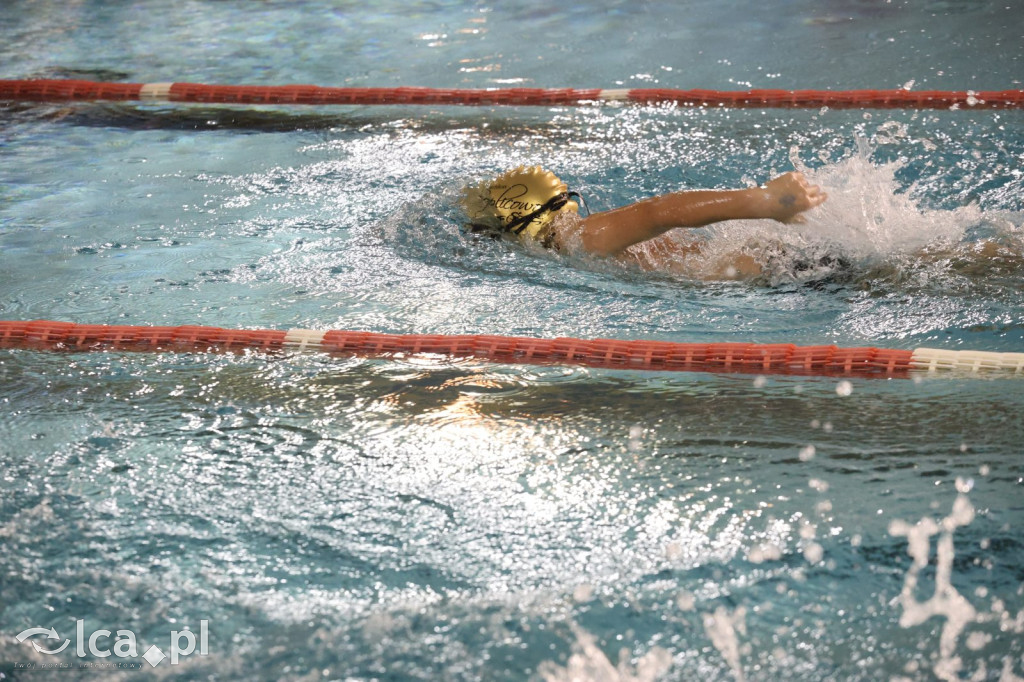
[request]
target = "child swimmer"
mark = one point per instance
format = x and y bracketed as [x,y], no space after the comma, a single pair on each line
[534,205]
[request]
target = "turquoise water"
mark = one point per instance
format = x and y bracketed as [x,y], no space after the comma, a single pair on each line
[421,518]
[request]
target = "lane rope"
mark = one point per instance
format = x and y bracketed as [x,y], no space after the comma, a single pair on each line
[42,90]
[749,358]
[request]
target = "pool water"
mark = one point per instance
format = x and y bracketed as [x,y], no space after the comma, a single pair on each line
[425,518]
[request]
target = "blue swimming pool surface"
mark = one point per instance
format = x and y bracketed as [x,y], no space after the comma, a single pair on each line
[421,518]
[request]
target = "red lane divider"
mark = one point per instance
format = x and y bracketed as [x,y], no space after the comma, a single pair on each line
[49,335]
[79,90]
[605,353]
[612,353]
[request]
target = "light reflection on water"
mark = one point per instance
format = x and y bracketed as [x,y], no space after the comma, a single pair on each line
[424,516]
[368,504]
[429,519]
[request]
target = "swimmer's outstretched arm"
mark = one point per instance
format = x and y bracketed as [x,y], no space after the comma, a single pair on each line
[610,232]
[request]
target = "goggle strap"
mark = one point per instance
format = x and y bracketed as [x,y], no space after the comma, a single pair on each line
[553,204]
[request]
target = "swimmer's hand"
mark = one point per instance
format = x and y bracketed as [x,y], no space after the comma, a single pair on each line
[789,195]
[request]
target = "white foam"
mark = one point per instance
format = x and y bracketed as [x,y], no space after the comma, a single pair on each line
[869,212]
[870,216]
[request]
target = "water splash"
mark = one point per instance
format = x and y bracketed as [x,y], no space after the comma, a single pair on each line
[946,602]
[869,214]
[588,662]
[873,219]
[723,628]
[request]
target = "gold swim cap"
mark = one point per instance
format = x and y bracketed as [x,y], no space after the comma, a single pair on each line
[522,201]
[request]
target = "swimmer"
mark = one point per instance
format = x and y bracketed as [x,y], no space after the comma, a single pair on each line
[534,205]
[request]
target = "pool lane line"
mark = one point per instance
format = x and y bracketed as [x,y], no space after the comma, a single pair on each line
[62,90]
[748,358]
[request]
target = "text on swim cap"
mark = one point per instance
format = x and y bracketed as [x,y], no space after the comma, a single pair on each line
[510,200]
